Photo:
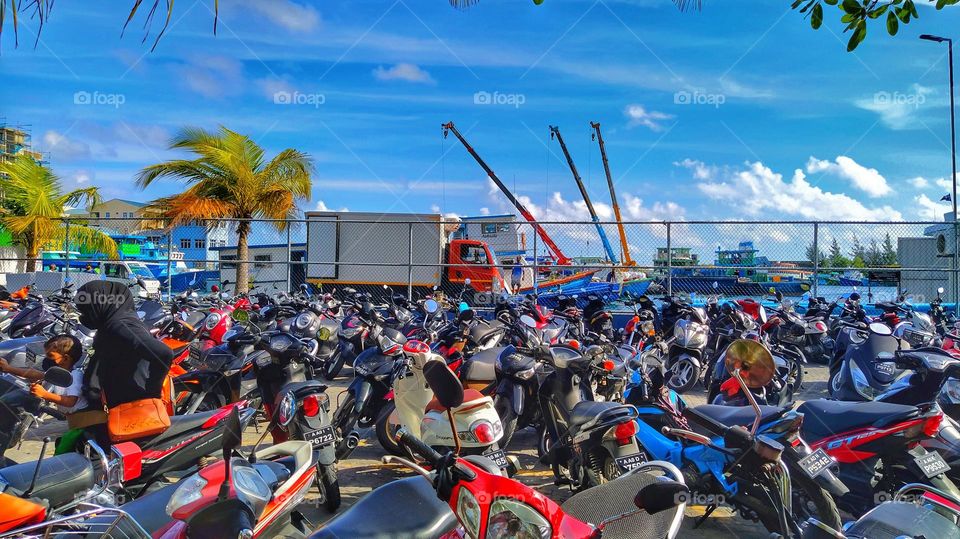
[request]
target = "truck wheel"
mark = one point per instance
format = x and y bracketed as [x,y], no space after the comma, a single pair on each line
[329,486]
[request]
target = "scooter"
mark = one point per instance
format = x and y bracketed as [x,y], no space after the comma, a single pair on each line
[856,375]
[475,500]
[684,357]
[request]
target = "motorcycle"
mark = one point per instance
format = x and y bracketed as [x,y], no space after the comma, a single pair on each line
[684,357]
[856,375]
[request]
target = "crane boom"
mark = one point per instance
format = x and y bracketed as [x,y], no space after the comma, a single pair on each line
[555,132]
[561,258]
[613,197]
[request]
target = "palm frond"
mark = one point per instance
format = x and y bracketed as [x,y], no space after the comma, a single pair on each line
[687,5]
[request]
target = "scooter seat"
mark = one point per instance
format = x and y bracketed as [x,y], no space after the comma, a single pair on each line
[179,424]
[586,411]
[469,395]
[61,478]
[616,498]
[825,418]
[730,416]
[482,366]
[421,514]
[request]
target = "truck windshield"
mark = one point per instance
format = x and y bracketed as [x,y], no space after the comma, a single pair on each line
[474,254]
[141,270]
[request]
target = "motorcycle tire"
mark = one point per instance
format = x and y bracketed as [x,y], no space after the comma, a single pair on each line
[602,469]
[810,500]
[329,486]
[693,376]
[209,403]
[507,417]
[333,366]
[386,434]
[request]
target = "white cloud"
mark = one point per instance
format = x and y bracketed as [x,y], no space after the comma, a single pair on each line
[919,182]
[434,208]
[63,148]
[760,192]
[944,183]
[405,72]
[287,14]
[484,211]
[212,76]
[897,109]
[868,180]
[637,115]
[82,177]
[701,171]
[322,206]
[931,210]
[271,86]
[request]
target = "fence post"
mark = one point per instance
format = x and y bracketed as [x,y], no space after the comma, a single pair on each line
[170,263]
[669,262]
[410,259]
[289,258]
[956,247]
[536,261]
[66,249]
[816,257]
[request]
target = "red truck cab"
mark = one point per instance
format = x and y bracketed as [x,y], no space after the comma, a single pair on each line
[472,259]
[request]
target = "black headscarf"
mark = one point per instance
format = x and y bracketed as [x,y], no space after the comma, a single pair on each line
[130,363]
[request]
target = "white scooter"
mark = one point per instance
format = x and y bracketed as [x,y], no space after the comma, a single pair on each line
[416,409]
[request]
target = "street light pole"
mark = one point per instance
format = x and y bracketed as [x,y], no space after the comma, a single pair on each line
[953,156]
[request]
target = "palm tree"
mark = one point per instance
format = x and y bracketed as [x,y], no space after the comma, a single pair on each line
[230,179]
[33,204]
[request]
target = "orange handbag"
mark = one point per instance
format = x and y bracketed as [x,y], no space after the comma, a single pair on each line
[137,419]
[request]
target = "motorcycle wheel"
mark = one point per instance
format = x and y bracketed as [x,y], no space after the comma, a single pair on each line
[333,366]
[507,417]
[386,429]
[602,469]
[810,500]
[209,403]
[329,486]
[685,375]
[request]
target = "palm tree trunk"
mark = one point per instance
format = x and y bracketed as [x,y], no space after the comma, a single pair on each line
[243,252]
[32,256]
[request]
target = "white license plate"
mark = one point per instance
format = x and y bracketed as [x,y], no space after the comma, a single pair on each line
[498,457]
[815,463]
[932,464]
[320,437]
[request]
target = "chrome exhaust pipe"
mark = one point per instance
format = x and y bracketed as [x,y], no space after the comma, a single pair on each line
[353,440]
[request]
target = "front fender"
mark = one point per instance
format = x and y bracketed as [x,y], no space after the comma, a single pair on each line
[361,395]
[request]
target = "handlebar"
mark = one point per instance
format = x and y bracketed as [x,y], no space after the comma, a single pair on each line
[417,446]
[688,435]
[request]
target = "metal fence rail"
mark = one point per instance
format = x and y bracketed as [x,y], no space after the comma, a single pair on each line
[828,258]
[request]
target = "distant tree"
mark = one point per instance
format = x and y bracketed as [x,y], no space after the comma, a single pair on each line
[889,254]
[874,255]
[857,262]
[811,256]
[835,258]
[858,251]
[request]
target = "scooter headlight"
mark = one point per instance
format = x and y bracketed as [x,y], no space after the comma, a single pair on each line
[525,374]
[511,518]
[951,391]
[468,510]
[287,409]
[211,321]
[860,382]
[188,492]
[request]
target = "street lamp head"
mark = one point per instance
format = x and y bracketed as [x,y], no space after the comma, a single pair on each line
[931,37]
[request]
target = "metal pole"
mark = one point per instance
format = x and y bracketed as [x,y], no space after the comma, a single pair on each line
[410,259]
[66,249]
[953,169]
[289,260]
[170,263]
[669,263]
[536,272]
[816,256]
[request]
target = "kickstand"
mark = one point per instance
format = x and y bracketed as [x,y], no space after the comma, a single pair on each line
[703,518]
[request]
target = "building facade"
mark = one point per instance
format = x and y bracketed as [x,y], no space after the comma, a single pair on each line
[501,232]
[15,141]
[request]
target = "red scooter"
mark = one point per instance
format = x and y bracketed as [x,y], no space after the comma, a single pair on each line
[468,497]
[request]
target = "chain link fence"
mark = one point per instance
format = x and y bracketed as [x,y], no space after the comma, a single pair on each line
[412,254]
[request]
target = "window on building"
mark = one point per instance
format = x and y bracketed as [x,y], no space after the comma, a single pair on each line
[154,239]
[489,228]
[258,261]
[503,227]
[473,254]
[227,265]
[107,215]
[199,244]
[185,243]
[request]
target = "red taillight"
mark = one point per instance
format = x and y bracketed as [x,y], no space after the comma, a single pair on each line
[608,365]
[932,425]
[624,432]
[310,405]
[483,432]
[821,326]
[573,343]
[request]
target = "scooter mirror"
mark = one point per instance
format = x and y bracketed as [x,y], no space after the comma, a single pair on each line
[880,329]
[715,285]
[940,290]
[232,433]
[467,281]
[431,306]
[445,384]
[753,360]
[58,376]
[661,495]
[528,321]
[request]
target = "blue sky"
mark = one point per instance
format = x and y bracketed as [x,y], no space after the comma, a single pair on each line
[740,111]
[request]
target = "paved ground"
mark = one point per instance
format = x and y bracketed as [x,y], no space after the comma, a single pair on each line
[363,471]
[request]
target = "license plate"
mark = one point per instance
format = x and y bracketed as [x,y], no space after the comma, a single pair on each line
[320,437]
[498,457]
[932,464]
[815,463]
[630,462]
